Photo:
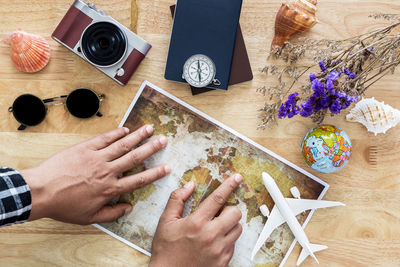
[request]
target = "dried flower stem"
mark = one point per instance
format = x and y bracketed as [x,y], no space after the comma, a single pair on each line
[368,56]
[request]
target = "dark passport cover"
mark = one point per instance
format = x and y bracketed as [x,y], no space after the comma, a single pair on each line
[240,69]
[203,27]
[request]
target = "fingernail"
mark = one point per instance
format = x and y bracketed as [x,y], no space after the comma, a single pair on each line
[149,129]
[163,140]
[128,210]
[126,130]
[189,185]
[167,169]
[238,178]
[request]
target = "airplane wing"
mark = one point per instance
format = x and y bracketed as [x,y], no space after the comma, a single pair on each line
[275,219]
[300,205]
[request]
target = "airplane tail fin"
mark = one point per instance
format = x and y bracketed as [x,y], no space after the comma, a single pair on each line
[310,252]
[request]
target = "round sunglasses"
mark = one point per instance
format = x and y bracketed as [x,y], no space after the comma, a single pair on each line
[30,110]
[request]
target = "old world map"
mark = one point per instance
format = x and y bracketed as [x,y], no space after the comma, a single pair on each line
[205,152]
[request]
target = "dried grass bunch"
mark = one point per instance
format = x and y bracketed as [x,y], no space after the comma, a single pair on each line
[347,68]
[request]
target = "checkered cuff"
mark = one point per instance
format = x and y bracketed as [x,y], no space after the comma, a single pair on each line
[15,197]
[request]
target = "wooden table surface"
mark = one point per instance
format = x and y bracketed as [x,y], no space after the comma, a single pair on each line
[365,233]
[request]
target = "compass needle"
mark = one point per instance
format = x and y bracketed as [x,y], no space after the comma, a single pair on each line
[199,71]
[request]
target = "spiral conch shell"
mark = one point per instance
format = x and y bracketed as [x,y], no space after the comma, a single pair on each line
[29,52]
[296,17]
[376,116]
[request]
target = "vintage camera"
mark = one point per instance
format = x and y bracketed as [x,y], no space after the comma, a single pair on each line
[101,40]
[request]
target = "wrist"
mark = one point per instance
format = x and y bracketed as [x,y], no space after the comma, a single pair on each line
[161,260]
[39,196]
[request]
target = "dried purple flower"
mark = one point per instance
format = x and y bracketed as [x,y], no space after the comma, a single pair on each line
[293,97]
[313,76]
[324,97]
[307,109]
[318,87]
[322,66]
[289,108]
[330,86]
[350,74]
[333,75]
[335,107]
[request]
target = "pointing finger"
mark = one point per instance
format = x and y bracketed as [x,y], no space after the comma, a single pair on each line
[107,139]
[234,234]
[176,202]
[213,203]
[111,213]
[126,144]
[138,155]
[139,180]
[228,219]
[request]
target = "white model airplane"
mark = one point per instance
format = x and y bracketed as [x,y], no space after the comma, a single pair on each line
[285,210]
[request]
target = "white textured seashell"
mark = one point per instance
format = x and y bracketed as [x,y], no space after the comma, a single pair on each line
[376,116]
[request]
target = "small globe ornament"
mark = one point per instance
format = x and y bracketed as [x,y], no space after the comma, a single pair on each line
[326,148]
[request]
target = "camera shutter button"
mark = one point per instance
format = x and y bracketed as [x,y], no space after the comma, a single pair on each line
[120,72]
[92,6]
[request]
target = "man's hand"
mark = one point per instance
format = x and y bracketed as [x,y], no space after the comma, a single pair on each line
[201,239]
[76,184]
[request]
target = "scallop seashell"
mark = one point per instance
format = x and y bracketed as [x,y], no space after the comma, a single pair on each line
[376,116]
[29,52]
[296,17]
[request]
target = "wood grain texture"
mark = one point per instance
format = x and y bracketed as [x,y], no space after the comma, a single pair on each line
[365,233]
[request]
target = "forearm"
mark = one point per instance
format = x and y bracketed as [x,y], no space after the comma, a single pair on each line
[15,197]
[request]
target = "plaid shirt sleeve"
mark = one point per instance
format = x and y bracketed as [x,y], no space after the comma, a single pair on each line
[15,197]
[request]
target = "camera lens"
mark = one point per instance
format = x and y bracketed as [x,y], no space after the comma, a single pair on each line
[103,43]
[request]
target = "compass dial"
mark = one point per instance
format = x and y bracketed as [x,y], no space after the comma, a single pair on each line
[199,71]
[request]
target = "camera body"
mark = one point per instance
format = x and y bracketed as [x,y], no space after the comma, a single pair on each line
[101,40]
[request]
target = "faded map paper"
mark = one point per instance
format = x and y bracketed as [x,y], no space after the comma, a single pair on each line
[205,151]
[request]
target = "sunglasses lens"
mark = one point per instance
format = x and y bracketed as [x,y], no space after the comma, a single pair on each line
[83,103]
[29,110]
